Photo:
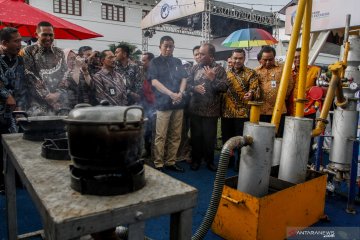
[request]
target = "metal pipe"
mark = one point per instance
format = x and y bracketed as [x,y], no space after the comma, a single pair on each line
[255,163]
[334,86]
[346,43]
[284,82]
[295,149]
[276,152]
[304,55]
[353,175]
[344,128]
[255,111]
[319,152]
[232,143]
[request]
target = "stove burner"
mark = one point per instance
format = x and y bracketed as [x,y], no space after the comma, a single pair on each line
[109,182]
[41,136]
[55,149]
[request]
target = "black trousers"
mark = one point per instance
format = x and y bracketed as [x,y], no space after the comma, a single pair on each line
[231,127]
[203,137]
[267,118]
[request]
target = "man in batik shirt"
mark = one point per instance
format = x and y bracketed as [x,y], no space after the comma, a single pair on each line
[131,72]
[243,85]
[12,81]
[45,68]
[109,84]
[269,77]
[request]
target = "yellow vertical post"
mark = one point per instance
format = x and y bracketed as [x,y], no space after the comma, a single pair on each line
[284,82]
[304,55]
[255,111]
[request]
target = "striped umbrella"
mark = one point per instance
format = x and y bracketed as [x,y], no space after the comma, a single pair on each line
[249,37]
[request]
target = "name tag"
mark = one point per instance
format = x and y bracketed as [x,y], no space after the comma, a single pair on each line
[112,91]
[273,83]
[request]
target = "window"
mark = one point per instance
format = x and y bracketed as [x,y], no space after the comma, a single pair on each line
[144,13]
[70,7]
[112,12]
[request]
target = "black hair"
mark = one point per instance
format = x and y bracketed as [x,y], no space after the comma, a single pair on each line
[298,49]
[266,49]
[238,50]
[83,49]
[166,38]
[195,48]
[149,55]
[6,33]
[124,48]
[103,54]
[211,49]
[43,24]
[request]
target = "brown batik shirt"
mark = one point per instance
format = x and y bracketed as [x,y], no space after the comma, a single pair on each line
[132,74]
[207,105]
[45,70]
[241,82]
[110,86]
[269,80]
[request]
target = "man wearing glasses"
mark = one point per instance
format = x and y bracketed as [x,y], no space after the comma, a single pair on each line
[45,68]
[269,73]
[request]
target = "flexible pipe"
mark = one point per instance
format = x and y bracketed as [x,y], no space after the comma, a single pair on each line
[232,143]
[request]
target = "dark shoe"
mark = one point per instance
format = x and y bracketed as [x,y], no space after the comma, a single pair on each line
[175,168]
[195,166]
[211,167]
[160,169]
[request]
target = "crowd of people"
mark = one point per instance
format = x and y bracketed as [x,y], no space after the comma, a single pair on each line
[42,79]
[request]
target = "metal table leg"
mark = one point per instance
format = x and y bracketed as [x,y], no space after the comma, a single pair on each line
[181,225]
[136,231]
[10,193]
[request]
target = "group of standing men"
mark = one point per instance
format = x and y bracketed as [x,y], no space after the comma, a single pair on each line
[46,79]
[215,92]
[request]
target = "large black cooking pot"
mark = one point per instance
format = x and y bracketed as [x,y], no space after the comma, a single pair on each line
[40,127]
[105,137]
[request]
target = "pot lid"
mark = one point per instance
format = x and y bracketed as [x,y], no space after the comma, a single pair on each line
[106,114]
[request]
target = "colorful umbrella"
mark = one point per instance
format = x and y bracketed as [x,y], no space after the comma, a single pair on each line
[16,13]
[249,37]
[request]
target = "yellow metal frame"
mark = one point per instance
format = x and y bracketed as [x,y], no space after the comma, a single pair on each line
[242,216]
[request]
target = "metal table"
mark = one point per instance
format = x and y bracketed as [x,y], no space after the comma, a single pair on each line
[67,214]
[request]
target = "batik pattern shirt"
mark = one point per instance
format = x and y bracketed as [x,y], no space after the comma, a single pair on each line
[45,69]
[209,104]
[132,74]
[269,80]
[110,86]
[241,82]
[12,82]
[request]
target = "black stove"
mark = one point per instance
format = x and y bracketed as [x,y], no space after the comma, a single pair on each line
[42,135]
[108,182]
[55,149]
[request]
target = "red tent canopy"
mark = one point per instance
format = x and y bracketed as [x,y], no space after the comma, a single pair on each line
[18,14]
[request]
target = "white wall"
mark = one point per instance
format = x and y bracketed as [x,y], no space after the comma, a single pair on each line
[113,31]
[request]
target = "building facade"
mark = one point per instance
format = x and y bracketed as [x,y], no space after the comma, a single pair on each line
[116,20]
